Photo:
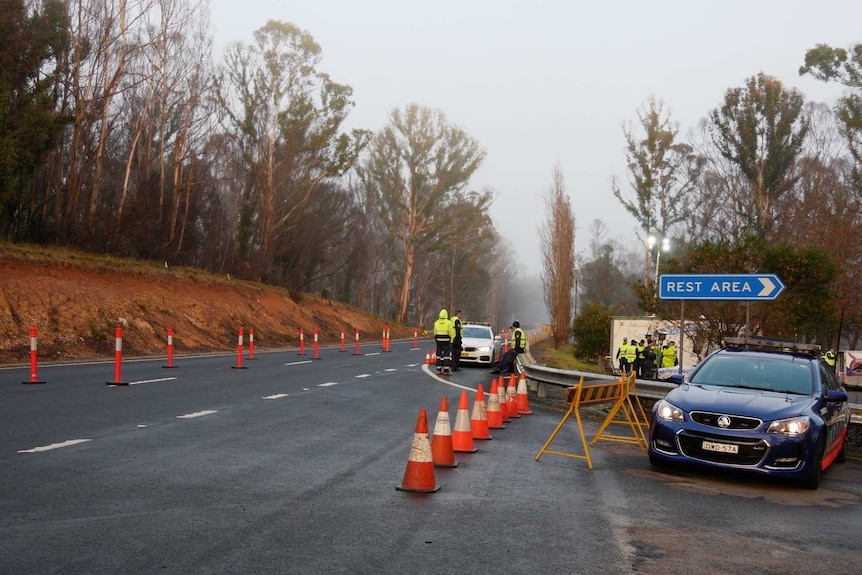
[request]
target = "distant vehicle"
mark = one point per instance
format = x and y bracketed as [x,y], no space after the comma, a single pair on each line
[759,405]
[480,345]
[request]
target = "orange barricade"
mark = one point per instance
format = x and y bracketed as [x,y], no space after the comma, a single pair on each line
[618,393]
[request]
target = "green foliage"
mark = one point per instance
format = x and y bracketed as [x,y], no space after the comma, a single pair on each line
[760,128]
[286,121]
[662,171]
[417,169]
[845,67]
[602,281]
[566,358]
[805,311]
[591,329]
[32,48]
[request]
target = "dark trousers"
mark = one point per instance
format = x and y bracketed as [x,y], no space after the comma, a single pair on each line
[507,361]
[624,365]
[444,356]
[456,354]
[648,368]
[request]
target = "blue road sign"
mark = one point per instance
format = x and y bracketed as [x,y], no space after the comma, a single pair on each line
[756,287]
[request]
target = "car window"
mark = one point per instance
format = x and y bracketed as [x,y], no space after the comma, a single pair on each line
[781,374]
[828,377]
[478,332]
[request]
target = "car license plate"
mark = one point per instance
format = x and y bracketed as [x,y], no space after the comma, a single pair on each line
[720,447]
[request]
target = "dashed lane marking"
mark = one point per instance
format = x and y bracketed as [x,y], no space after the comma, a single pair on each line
[196,414]
[54,446]
[151,380]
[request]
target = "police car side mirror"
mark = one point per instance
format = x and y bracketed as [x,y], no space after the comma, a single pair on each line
[836,396]
[498,338]
[677,378]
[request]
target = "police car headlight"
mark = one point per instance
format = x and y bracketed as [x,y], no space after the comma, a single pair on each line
[668,411]
[793,426]
[484,348]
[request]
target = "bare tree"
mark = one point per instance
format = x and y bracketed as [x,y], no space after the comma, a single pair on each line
[720,206]
[558,258]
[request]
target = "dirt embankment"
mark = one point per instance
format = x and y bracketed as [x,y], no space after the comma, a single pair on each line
[76,306]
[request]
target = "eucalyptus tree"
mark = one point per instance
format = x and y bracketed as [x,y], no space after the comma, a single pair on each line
[167,123]
[662,173]
[558,258]
[106,39]
[467,251]
[416,167]
[843,66]
[760,128]
[719,208]
[285,117]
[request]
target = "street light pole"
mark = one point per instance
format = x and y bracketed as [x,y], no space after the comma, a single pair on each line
[662,246]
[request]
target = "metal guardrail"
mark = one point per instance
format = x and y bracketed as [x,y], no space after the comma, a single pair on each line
[646,388]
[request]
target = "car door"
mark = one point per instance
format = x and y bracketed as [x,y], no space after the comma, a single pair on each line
[835,413]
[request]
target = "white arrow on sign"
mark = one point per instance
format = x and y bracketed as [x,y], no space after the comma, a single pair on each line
[768,287]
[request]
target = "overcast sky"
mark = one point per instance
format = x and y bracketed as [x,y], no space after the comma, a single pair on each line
[542,82]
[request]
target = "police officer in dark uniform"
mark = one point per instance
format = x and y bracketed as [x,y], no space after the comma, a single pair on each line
[518,344]
[456,341]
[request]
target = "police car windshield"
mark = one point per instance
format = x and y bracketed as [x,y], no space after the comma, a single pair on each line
[783,374]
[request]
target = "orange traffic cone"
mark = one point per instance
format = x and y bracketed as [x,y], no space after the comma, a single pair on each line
[501,393]
[462,435]
[511,402]
[479,417]
[428,358]
[495,417]
[523,399]
[419,475]
[441,445]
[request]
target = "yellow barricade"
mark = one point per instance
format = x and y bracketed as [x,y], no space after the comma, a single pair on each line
[619,393]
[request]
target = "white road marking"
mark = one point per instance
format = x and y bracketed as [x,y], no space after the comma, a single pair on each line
[298,362]
[446,381]
[276,396]
[391,369]
[363,375]
[196,414]
[151,380]
[54,446]
[373,353]
[328,384]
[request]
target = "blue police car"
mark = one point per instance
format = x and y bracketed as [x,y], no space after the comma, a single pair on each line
[761,405]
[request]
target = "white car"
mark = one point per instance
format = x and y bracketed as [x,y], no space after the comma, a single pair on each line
[479,344]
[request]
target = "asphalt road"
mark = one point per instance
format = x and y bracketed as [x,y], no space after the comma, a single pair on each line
[290,466]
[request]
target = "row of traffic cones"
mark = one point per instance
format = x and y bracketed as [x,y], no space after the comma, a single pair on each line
[504,403]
